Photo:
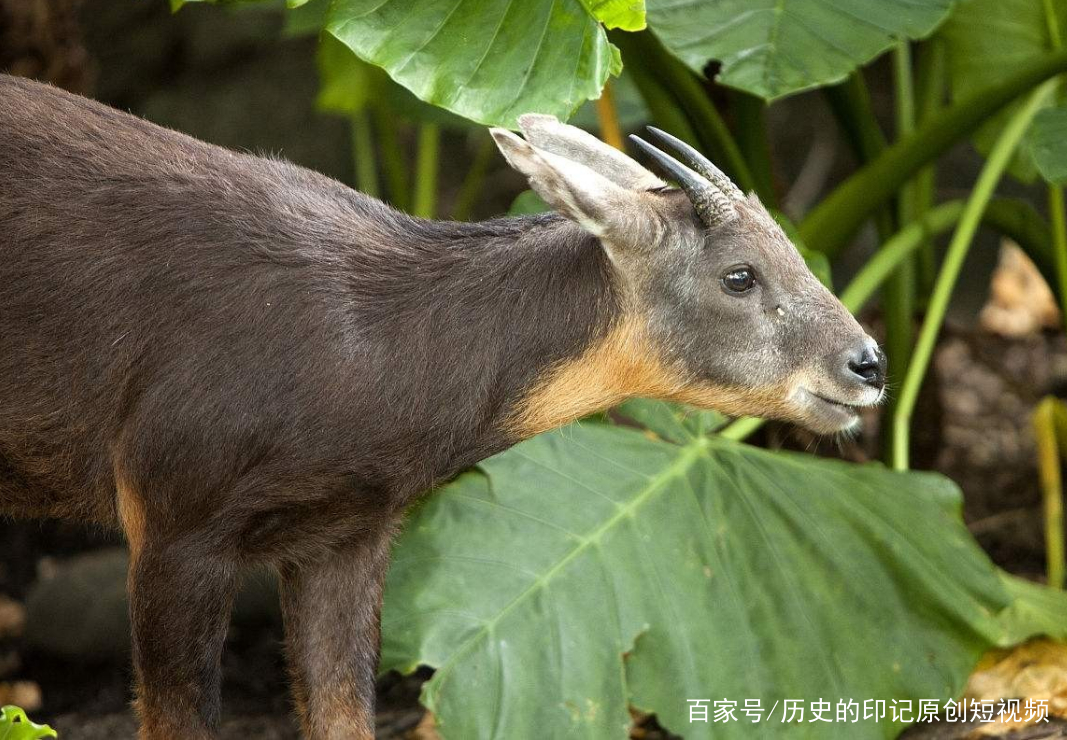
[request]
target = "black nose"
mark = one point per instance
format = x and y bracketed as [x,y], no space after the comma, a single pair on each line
[869,366]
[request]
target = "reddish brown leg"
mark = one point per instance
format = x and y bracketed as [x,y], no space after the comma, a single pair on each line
[331,609]
[180,601]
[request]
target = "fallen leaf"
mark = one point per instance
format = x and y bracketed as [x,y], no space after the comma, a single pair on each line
[1034,670]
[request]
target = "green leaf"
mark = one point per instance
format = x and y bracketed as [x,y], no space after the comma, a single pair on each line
[627,15]
[672,421]
[612,570]
[15,725]
[773,48]
[1048,144]
[347,85]
[1034,609]
[988,40]
[486,60]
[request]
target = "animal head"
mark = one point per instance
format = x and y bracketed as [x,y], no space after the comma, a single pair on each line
[721,310]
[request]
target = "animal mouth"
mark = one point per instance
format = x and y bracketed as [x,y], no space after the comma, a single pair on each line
[831,412]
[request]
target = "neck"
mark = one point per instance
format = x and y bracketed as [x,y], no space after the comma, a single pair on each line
[491,332]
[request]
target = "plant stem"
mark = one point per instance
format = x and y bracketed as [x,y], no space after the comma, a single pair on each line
[608,117]
[665,111]
[833,222]
[394,163]
[643,49]
[1055,193]
[898,297]
[424,202]
[884,263]
[1048,463]
[1058,222]
[931,88]
[741,428]
[751,125]
[363,157]
[850,102]
[475,178]
[957,250]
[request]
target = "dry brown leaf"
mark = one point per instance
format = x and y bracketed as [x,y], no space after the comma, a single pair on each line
[1020,301]
[25,694]
[1033,670]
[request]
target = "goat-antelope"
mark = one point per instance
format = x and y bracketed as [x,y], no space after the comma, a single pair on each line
[240,361]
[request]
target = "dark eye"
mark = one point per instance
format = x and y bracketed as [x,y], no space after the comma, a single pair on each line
[739,279]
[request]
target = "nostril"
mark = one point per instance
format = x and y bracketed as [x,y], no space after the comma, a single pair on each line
[870,366]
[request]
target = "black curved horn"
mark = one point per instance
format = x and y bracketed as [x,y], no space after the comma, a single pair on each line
[710,203]
[699,163]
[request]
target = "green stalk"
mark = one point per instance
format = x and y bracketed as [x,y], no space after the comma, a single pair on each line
[643,49]
[931,87]
[1058,223]
[364,162]
[1050,475]
[424,202]
[1055,193]
[850,103]
[832,223]
[884,263]
[394,163]
[957,250]
[1002,215]
[751,124]
[664,109]
[898,297]
[473,181]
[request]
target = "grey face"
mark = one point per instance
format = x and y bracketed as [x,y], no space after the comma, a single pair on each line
[736,306]
[730,306]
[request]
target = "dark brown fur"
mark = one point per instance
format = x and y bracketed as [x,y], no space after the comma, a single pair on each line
[242,361]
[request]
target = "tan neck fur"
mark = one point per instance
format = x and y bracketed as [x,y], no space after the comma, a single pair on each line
[622,365]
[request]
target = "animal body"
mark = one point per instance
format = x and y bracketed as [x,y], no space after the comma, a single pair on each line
[242,362]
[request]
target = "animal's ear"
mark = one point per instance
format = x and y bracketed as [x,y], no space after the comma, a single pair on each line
[571,142]
[586,197]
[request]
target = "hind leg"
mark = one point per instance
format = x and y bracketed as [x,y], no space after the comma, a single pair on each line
[331,609]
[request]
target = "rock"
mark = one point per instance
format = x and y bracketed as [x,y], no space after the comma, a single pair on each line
[78,609]
[79,612]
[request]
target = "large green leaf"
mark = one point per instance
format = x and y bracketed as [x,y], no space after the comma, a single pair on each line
[1048,144]
[671,421]
[487,60]
[347,85]
[594,568]
[988,40]
[772,48]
